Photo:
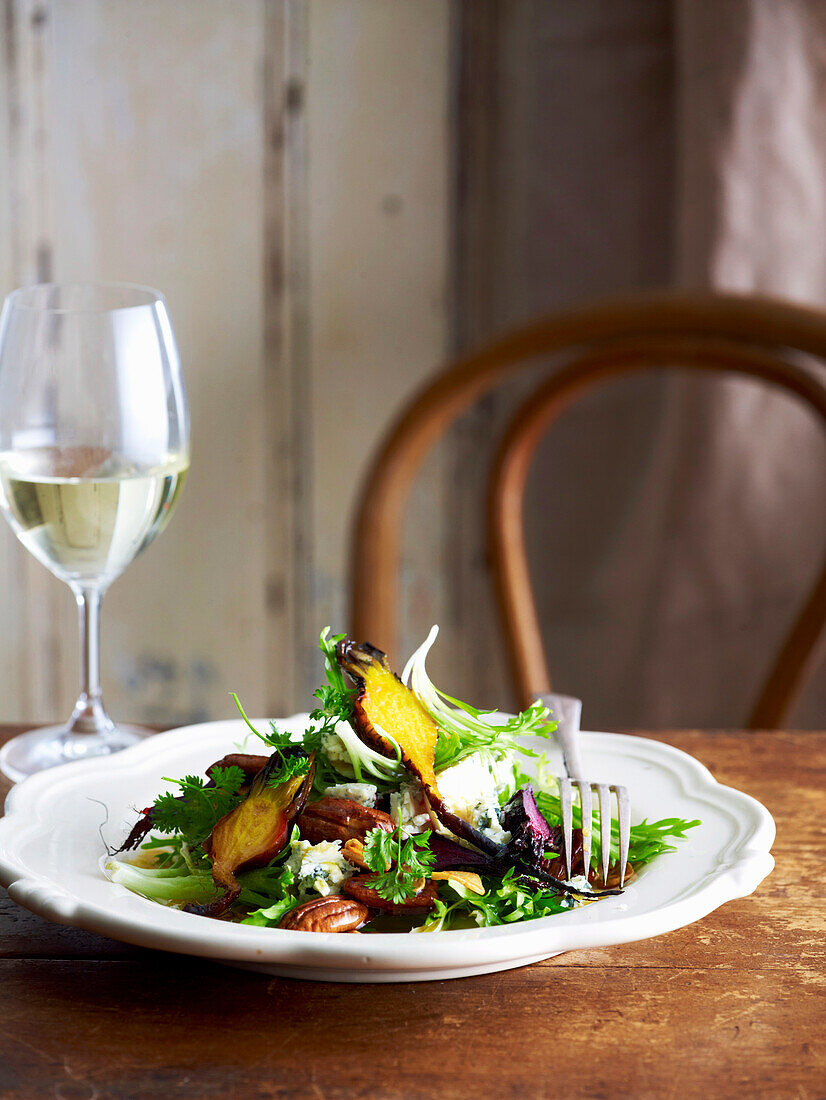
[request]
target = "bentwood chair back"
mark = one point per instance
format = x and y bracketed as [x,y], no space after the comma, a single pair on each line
[712,333]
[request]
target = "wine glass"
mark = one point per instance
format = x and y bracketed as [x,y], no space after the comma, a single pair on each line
[94,451]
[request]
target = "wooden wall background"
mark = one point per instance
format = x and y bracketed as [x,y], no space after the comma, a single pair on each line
[281,171]
[336,195]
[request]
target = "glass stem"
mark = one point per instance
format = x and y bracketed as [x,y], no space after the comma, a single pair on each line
[89,715]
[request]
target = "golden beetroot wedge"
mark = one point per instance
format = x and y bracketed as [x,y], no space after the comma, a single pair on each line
[384,705]
[255,831]
[249,765]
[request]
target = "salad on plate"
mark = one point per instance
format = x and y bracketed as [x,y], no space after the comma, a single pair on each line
[399,808]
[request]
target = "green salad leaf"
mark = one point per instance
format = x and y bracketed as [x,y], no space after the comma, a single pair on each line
[181,876]
[511,898]
[335,697]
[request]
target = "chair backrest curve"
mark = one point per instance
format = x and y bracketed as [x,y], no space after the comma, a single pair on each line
[771,329]
[523,637]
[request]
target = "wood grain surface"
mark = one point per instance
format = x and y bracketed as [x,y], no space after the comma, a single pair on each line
[734,1005]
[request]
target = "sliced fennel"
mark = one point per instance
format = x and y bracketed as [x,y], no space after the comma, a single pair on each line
[169,886]
[464,730]
[366,761]
[183,883]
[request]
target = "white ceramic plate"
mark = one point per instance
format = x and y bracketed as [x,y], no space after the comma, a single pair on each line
[52,837]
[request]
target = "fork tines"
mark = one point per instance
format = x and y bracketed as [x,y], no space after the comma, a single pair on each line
[603,792]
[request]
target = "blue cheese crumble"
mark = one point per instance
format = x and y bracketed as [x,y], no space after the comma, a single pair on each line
[336,752]
[408,808]
[363,793]
[318,868]
[471,790]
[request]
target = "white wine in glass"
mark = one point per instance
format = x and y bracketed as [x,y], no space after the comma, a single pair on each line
[83,512]
[94,451]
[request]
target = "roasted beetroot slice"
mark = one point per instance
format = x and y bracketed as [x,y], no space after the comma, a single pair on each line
[451,856]
[535,819]
[254,832]
[530,833]
[138,831]
[531,837]
[459,827]
[249,765]
[384,703]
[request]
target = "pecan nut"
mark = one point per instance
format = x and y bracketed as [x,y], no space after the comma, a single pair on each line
[359,888]
[341,819]
[330,914]
[249,765]
[613,876]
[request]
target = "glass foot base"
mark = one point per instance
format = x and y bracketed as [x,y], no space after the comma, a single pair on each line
[53,745]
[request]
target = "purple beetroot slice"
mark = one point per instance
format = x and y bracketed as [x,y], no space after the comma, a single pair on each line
[451,856]
[525,823]
[532,836]
[535,818]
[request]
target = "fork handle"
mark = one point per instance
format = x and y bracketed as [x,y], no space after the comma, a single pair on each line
[568,711]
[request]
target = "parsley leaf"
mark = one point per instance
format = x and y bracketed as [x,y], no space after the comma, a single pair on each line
[292,760]
[229,779]
[335,697]
[288,767]
[400,862]
[335,700]
[194,812]
[275,738]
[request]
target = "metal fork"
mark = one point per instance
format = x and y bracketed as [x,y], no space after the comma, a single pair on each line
[567,711]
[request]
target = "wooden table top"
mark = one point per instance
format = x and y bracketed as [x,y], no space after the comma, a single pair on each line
[734,1005]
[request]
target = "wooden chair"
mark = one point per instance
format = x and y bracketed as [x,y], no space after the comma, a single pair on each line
[756,337]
